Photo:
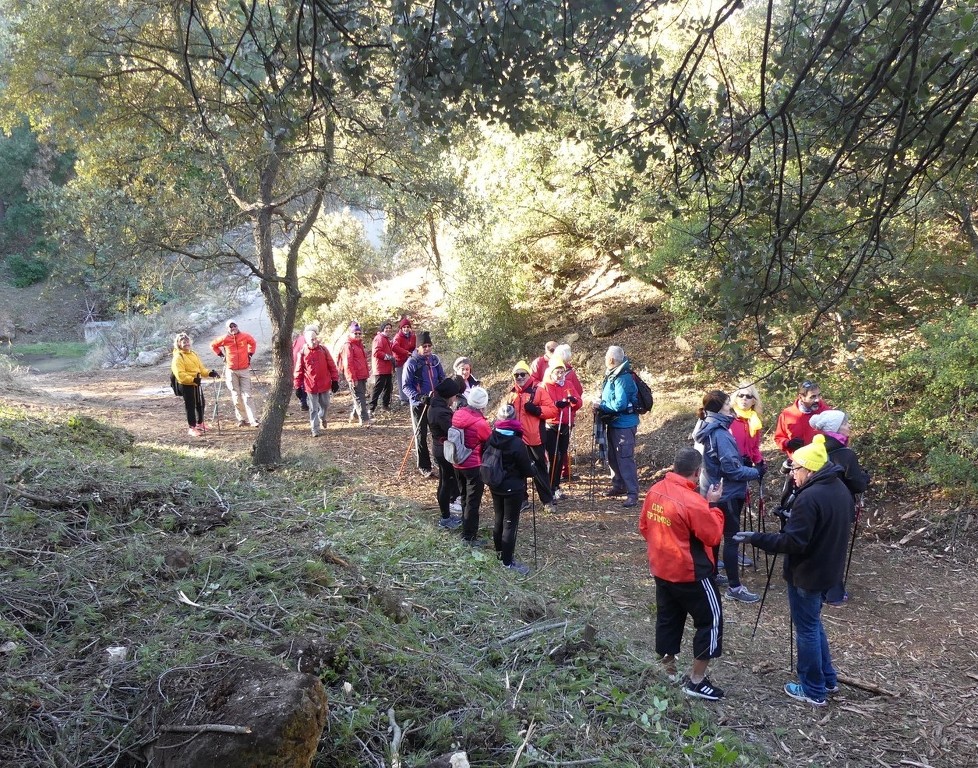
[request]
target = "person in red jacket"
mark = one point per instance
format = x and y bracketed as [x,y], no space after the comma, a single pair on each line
[533,407]
[353,362]
[793,429]
[382,353]
[471,419]
[236,349]
[557,431]
[682,530]
[298,344]
[405,342]
[538,368]
[316,373]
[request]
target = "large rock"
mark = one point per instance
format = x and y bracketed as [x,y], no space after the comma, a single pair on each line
[606,325]
[284,712]
[150,357]
[8,326]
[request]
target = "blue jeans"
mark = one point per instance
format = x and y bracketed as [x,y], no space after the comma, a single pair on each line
[815,671]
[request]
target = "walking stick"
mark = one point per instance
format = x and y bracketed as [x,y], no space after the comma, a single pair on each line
[852,541]
[414,437]
[553,467]
[217,399]
[767,586]
[533,519]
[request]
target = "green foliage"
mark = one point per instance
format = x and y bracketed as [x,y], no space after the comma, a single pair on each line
[919,409]
[27,270]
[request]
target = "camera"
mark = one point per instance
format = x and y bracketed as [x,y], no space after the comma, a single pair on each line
[786,467]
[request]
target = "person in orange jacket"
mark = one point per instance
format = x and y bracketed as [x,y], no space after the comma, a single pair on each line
[353,363]
[236,348]
[557,431]
[533,407]
[682,530]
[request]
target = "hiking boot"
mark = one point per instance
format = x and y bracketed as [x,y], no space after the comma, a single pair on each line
[745,561]
[192,432]
[425,473]
[838,603]
[721,580]
[558,494]
[520,568]
[834,689]
[613,492]
[201,427]
[742,595]
[630,502]
[303,407]
[475,543]
[795,691]
[450,523]
[704,689]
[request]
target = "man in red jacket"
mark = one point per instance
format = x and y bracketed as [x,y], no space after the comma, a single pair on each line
[236,349]
[382,353]
[794,428]
[682,530]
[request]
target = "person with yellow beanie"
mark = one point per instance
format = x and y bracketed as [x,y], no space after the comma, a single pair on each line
[814,541]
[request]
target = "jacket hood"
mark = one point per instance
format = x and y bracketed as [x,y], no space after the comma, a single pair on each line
[710,424]
[513,425]
[825,475]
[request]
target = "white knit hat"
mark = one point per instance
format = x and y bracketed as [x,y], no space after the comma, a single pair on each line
[477,397]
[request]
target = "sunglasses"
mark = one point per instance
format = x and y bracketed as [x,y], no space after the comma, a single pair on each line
[745,396]
[358,333]
[520,375]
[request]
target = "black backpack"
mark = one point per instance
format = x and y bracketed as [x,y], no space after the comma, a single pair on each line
[645,401]
[175,385]
[491,471]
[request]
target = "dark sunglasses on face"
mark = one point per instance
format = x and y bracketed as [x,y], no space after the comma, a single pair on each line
[745,396]
[519,375]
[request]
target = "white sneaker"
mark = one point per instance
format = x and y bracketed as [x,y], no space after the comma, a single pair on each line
[456,506]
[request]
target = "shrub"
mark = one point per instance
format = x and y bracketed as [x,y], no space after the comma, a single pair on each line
[27,270]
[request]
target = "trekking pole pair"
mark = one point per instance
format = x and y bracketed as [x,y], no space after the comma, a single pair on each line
[852,541]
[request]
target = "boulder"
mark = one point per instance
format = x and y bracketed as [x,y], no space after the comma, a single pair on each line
[244,713]
[8,327]
[149,357]
[605,325]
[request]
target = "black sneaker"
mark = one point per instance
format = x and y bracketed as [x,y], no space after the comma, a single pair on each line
[704,689]
[630,502]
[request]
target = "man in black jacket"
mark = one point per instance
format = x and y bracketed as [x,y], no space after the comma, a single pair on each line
[814,542]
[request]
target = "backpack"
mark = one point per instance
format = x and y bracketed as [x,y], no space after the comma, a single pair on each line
[175,385]
[491,471]
[455,449]
[644,402]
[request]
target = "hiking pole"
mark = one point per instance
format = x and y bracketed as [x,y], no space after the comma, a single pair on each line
[414,437]
[553,463]
[533,519]
[767,586]
[217,399]
[852,541]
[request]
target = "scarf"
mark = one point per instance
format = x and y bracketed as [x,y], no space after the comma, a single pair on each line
[753,420]
[844,439]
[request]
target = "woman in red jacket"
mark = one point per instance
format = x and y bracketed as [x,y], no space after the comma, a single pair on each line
[557,431]
[471,419]
[353,362]
[533,407]
[316,373]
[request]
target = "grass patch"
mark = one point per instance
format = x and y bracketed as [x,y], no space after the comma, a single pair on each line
[65,350]
[99,536]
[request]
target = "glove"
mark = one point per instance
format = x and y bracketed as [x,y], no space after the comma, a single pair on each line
[794,444]
[742,536]
[213,375]
[334,387]
[572,400]
[746,461]
[562,403]
[761,467]
[533,409]
[221,354]
[197,380]
[298,392]
[389,358]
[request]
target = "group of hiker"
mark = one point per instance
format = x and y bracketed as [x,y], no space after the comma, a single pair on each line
[691,519]
[697,507]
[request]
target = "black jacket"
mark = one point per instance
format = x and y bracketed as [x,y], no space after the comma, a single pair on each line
[854,476]
[439,420]
[816,535]
[516,463]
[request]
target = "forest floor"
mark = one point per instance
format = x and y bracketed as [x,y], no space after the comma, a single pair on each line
[906,645]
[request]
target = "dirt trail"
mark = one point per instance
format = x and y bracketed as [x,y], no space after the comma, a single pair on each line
[909,629]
